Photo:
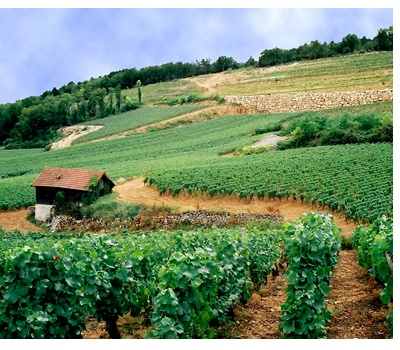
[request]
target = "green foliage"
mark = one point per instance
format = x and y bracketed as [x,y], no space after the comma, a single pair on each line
[375,250]
[264,255]
[129,105]
[315,130]
[354,179]
[138,84]
[107,207]
[46,293]
[246,151]
[188,291]
[14,195]
[263,225]
[209,274]
[55,285]
[349,44]
[191,98]
[311,246]
[186,282]
[200,284]
[92,193]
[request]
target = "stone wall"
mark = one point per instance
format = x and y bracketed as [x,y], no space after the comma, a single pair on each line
[311,101]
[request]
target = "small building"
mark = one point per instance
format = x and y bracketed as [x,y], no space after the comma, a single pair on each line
[74,185]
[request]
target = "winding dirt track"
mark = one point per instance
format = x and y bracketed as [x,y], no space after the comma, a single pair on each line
[136,191]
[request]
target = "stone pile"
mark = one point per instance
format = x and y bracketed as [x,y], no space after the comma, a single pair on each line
[213,219]
[64,223]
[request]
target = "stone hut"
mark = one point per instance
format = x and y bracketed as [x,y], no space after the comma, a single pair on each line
[73,183]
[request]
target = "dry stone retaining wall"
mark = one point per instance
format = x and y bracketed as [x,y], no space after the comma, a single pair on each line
[312,101]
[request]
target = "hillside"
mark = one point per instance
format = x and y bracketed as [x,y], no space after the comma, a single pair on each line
[354,75]
[199,155]
[371,71]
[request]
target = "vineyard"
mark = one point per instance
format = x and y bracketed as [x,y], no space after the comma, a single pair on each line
[354,179]
[184,284]
[181,149]
[56,281]
[188,283]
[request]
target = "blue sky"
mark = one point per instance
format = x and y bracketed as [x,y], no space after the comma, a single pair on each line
[42,48]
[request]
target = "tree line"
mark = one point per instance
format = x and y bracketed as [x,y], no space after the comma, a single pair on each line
[33,122]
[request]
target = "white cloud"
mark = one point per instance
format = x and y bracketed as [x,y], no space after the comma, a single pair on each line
[45,48]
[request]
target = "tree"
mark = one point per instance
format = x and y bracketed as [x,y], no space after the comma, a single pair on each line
[316,50]
[384,39]
[349,44]
[251,62]
[203,67]
[118,96]
[272,57]
[223,63]
[138,84]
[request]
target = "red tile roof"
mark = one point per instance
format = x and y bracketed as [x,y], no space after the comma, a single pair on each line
[75,179]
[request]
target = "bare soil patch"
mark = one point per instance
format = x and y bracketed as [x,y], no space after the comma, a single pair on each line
[354,301]
[211,83]
[17,220]
[72,133]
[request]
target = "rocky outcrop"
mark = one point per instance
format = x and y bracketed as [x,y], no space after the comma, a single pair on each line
[312,101]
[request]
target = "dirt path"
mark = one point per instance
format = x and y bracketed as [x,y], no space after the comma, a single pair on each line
[354,301]
[356,310]
[211,83]
[72,133]
[136,191]
[17,220]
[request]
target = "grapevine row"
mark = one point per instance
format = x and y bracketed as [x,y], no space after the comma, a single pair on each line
[354,179]
[50,285]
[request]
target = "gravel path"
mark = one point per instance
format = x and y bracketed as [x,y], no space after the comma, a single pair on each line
[270,140]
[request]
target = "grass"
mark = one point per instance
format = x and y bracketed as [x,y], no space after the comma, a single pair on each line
[109,208]
[156,93]
[353,72]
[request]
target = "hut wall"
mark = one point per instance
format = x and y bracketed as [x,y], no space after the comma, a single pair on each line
[43,212]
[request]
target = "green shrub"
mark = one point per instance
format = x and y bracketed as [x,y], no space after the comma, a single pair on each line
[316,130]
[108,208]
[375,247]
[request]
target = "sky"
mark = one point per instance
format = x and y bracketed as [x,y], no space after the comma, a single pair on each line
[46,47]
